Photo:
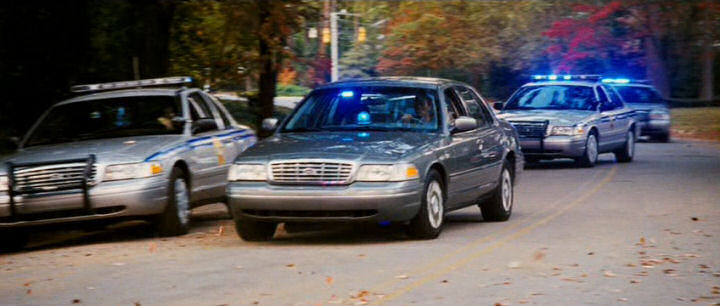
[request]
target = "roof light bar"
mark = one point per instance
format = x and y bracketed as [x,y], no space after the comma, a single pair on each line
[616,81]
[181,80]
[566,77]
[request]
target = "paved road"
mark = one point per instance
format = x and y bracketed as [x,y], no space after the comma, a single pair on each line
[644,233]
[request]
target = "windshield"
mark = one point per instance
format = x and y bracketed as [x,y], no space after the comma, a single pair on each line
[565,97]
[638,94]
[367,108]
[108,118]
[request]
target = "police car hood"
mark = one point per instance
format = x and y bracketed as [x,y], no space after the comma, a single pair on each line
[112,150]
[352,146]
[554,117]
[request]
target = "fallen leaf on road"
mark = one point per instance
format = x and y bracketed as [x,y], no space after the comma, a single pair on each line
[635,281]
[290,265]
[238,267]
[703,266]
[362,255]
[118,264]
[76,301]
[539,255]
[507,283]
[27,284]
[570,279]
[591,253]
[523,301]
[444,281]
[642,273]
[514,264]
[694,218]
[329,280]
[622,299]
[670,272]
[220,231]
[641,242]
[401,276]
[630,265]
[609,274]
[90,288]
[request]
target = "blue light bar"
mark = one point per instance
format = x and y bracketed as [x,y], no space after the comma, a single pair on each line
[566,77]
[347,94]
[169,81]
[616,81]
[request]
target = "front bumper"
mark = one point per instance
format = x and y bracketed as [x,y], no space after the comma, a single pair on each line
[553,146]
[360,201]
[655,127]
[135,197]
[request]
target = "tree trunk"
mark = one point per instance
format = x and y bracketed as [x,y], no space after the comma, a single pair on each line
[707,75]
[656,71]
[268,69]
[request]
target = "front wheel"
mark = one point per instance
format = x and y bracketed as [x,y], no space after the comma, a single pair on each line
[428,223]
[499,206]
[590,155]
[627,152]
[175,220]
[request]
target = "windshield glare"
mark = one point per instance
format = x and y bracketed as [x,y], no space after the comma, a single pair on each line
[367,108]
[108,118]
[562,97]
[637,94]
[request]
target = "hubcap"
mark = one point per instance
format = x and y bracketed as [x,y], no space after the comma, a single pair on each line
[631,144]
[182,201]
[592,148]
[507,190]
[434,201]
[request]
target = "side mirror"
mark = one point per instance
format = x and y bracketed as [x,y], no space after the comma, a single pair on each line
[269,124]
[497,106]
[464,123]
[203,125]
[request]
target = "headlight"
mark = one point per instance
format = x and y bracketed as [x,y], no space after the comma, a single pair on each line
[3,183]
[247,172]
[567,130]
[659,115]
[384,173]
[131,171]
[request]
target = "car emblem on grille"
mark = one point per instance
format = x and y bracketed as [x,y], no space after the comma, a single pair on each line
[309,171]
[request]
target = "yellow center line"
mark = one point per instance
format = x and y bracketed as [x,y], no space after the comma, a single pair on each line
[522,232]
[475,243]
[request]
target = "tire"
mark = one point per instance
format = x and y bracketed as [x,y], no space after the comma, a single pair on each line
[627,152]
[175,220]
[428,223]
[590,155]
[499,206]
[250,230]
[13,240]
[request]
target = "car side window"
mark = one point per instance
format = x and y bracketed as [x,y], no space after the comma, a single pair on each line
[453,106]
[614,97]
[474,105]
[203,109]
[605,103]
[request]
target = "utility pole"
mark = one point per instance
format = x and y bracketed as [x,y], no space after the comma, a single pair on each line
[334,43]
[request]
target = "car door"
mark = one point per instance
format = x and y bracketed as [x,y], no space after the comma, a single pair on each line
[209,161]
[624,116]
[607,127]
[462,166]
[488,156]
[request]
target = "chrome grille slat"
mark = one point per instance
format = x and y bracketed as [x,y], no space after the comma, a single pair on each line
[311,172]
[530,129]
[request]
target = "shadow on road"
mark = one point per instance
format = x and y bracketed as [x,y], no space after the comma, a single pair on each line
[202,218]
[564,164]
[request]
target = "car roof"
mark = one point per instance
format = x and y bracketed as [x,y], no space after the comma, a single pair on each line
[136,92]
[423,82]
[635,85]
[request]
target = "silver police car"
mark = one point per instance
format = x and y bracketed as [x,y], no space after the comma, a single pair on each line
[571,116]
[119,152]
[392,149]
[653,112]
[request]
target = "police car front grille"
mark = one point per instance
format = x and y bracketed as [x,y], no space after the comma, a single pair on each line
[530,129]
[52,177]
[311,172]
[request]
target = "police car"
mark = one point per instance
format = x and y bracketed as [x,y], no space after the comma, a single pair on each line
[653,112]
[147,148]
[571,116]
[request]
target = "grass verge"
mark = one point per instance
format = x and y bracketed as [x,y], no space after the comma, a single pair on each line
[696,123]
